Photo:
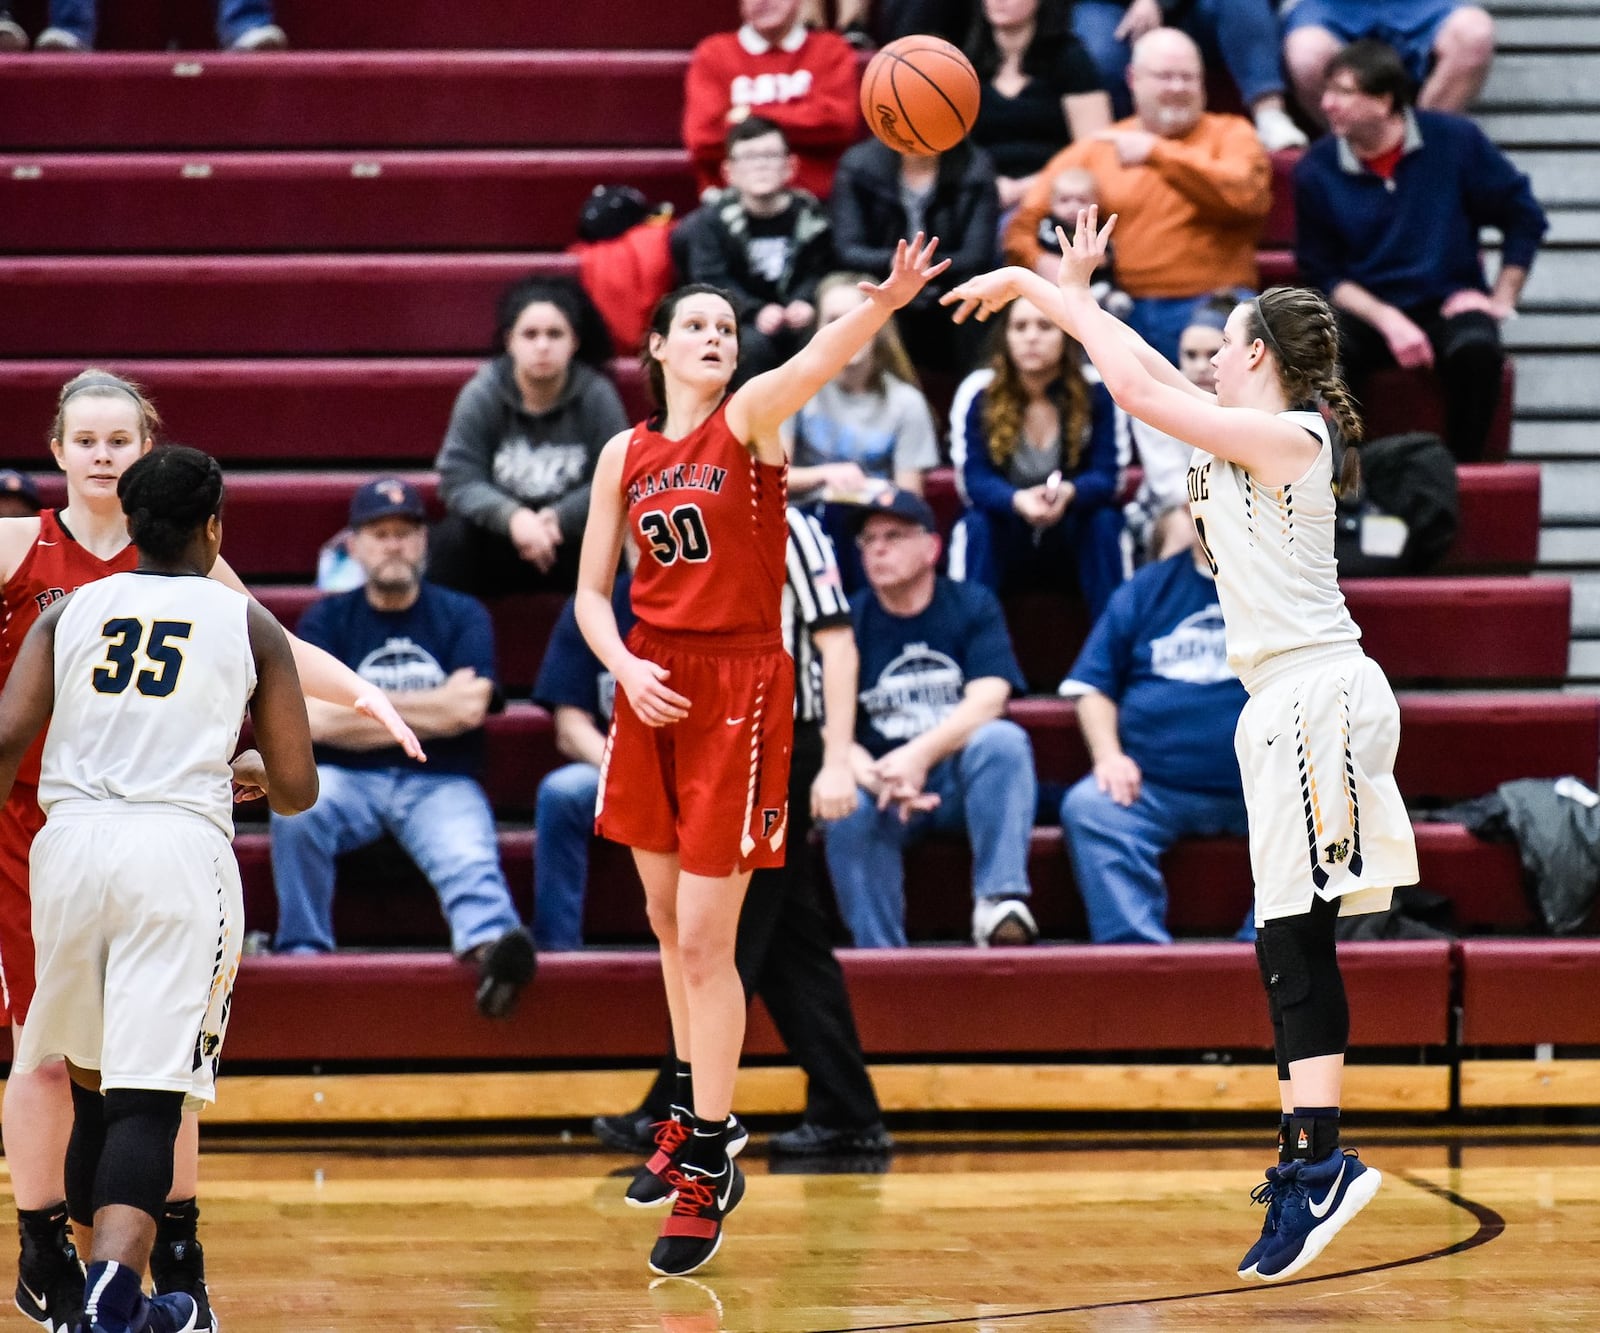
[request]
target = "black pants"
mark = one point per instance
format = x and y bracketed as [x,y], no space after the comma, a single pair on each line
[784,955]
[1467,358]
[470,559]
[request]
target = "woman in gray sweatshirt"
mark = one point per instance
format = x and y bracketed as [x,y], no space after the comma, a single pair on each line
[516,463]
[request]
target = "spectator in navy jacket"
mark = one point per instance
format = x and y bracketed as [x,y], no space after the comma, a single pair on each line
[1157,705]
[1389,209]
[1034,444]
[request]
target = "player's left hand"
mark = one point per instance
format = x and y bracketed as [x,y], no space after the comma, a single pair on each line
[1086,251]
[375,704]
[249,776]
[912,271]
[833,792]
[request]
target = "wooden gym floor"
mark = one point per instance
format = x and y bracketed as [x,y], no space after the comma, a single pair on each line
[1018,1233]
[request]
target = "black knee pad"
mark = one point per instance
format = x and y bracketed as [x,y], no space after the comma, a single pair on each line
[83,1152]
[136,1163]
[1300,965]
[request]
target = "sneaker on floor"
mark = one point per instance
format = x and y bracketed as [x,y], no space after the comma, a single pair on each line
[1001,922]
[1270,1192]
[1318,1199]
[809,1139]
[263,37]
[12,37]
[652,1184]
[181,1267]
[693,1233]
[175,1312]
[58,39]
[50,1285]
[507,966]
[632,1133]
[1277,132]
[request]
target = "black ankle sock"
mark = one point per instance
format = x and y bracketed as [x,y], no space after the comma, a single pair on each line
[1313,1132]
[1284,1154]
[179,1222]
[41,1224]
[682,1085]
[116,1291]
[708,1145]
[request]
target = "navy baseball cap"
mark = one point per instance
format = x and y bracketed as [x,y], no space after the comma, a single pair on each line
[387,497]
[900,504]
[15,483]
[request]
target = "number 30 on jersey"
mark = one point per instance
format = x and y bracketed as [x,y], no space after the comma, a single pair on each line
[678,535]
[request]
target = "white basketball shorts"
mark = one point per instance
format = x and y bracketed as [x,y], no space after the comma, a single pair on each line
[1316,747]
[138,917]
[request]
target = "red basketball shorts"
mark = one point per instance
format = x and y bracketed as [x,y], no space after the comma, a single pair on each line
[20,821]
[713,788]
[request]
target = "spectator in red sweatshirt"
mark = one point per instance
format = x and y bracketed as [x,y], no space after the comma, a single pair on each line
[773,66]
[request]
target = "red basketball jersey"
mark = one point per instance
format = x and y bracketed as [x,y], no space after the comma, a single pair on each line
[712,532]
[55,566]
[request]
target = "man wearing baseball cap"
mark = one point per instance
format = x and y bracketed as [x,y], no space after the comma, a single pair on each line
[19,498]
[934,751]
[431,650]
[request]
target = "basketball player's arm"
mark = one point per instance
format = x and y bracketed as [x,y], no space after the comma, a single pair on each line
[29,696]
[278,715]
[758,410]
[324,676]
[459,705]
[643,683]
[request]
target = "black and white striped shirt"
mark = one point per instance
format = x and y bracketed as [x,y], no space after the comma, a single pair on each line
[813,599]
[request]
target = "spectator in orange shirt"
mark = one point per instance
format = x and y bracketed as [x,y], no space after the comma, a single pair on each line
[1191,189]
[803,82]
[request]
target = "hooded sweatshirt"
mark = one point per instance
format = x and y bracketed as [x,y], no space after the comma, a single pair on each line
[498,456]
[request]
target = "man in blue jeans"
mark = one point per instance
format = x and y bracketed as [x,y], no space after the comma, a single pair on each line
[934,752]
[431,650]
[1157,704]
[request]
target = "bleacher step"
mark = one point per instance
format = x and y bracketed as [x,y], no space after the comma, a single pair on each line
[1570,492]
[1561,384]
[1573,31]
[1533,438]
[1543,80]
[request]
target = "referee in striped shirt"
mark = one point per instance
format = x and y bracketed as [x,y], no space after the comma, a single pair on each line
[783,952]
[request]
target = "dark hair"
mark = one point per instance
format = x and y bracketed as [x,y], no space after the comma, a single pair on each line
[1051,30]
[661,322]
[568,296]
[753,127]
[93,383]
[1298,327]
[1379,71]
[167,495]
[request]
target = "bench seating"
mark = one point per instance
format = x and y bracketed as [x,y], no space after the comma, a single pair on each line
[367,99]
[384,902]
[177,203]
[291,412]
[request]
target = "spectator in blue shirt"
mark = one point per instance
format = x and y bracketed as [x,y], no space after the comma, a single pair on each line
[1157,704]
[431,650]
[1389,210]
[1034,444]
[934,752]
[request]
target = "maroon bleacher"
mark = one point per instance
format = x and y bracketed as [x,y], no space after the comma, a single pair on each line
[323,305]
[368,99]
[368,25]
[1530,992]
[177,203]
[609,1007]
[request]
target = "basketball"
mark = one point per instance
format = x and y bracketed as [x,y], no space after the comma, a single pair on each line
[920,95]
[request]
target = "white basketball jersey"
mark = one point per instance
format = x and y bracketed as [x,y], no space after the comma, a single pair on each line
[1271,549]
[153,673]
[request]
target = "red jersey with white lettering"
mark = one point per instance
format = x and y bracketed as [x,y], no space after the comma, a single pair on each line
[55,566]
[712,531]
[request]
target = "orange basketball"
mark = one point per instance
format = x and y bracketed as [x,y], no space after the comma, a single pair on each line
[920,95]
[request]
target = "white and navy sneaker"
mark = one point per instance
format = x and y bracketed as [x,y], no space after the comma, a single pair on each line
[1318,1199]
[1270,1192]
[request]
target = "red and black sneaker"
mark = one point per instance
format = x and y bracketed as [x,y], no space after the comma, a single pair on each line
[693,1233]
[651,1186]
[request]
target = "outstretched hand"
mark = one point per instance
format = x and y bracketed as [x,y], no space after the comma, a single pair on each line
[913,269]
[375,704]
[1086,251]
[983,295]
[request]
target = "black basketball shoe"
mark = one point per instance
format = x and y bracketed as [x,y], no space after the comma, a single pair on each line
[693,1233]
[181,1266]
